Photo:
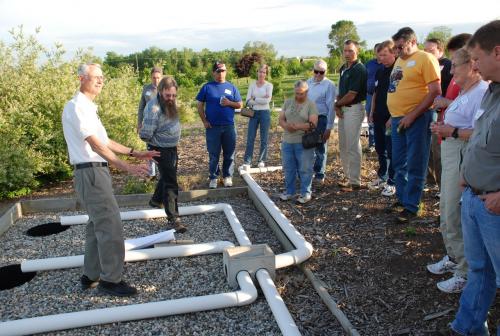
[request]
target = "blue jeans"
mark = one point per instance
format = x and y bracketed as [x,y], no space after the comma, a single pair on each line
[481,231]
[297,161]
[410,155]
[221,138]
[320,151]
[371,127]
[383,146]
[262,118]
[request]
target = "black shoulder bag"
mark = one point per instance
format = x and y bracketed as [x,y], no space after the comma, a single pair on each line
[312,138]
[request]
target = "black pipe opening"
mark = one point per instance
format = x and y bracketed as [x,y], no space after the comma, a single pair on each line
[11,276]
[46,229]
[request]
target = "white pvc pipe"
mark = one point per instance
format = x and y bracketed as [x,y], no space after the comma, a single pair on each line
[260,170]
[303,249]
[147,213]
[281,314]
[246,295]
[238,230]
[36,265]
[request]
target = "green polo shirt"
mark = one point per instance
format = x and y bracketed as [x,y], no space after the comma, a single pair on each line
[353,79]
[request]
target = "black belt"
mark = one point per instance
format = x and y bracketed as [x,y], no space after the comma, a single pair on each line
[480,192]
[90,164]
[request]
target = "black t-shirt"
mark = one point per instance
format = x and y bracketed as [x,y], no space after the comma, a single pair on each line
[446,76]
[381,112]
[353,79]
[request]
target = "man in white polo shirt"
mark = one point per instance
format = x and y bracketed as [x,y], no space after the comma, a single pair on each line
[90,151]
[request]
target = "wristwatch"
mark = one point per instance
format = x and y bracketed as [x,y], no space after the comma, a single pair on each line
[454,135]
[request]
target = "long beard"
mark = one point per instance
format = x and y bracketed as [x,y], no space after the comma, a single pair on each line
[170,109]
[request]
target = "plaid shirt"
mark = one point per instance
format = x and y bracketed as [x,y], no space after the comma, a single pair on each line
[157,129]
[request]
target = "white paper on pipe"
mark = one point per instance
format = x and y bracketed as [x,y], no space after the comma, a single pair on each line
[161,237]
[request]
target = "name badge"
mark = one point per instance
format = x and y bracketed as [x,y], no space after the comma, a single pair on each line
[227,91]
[478,114]
[410,64]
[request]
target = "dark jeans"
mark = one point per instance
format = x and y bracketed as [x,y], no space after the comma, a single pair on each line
[167,189]
[221,138]
[371,126]
[383,146]
[410,154]
[320,151]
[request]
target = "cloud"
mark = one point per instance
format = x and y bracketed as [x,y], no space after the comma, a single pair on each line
[294,27]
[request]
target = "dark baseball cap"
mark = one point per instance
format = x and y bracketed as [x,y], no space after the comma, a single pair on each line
[219,66]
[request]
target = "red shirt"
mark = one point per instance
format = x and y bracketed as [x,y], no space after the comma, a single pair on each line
[451,93]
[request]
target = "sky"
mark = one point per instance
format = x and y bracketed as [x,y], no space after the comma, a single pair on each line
[294,27]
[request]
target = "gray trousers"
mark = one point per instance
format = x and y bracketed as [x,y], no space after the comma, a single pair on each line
[104,247]
[449,203]
[350,143]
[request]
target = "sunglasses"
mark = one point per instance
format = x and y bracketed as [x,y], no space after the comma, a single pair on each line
[318,72]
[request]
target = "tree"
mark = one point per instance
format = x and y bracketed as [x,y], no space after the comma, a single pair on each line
[293,67]
[341,31]
[245,64]
[442,33]
[266,50]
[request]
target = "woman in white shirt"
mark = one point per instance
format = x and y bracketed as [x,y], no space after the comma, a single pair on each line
[258,97]
[455,131]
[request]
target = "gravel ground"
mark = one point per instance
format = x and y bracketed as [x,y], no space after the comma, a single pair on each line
[58,291]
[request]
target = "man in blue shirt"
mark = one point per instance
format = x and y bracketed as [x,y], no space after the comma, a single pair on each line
[372,66]
[322,92]
[216,103]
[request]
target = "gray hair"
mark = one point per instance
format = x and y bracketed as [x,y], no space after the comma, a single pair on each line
[320,64]
[301,84]
[84,68]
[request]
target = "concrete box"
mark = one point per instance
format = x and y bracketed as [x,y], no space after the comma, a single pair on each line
[247,258]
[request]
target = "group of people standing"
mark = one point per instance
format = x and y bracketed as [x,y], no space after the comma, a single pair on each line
[405,107]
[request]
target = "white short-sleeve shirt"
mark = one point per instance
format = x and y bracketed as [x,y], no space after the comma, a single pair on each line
[80,120]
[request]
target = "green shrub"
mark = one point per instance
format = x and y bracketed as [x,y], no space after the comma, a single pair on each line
[135,185]
[35,84]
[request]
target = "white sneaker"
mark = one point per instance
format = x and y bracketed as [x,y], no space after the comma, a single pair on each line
[377,183]
[261,164]
[213,184]
[443,266]
[304,199]
[285,197]
[389,190]
[245,166]
[228,181]
[455,284]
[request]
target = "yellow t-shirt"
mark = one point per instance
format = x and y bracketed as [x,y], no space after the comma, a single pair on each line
[409,80]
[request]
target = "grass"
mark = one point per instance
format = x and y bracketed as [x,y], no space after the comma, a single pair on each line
[188,95]
[286,85]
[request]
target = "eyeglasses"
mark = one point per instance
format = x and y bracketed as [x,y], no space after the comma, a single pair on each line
[101,78]
[454,65]
[319,72]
